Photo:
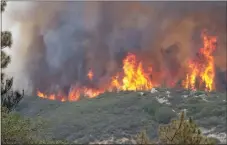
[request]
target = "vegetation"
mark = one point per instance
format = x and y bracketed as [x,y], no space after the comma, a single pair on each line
[18,130]
[142,138]
[179,131]
[3,5]
[164,115]
[14,128]
[97,117]
[9,99]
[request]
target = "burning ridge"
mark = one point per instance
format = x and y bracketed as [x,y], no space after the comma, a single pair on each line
[135,76]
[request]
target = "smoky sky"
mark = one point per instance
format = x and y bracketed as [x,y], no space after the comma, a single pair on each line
[61,41]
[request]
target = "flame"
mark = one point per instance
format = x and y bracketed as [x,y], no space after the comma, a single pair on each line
[74,94]
[63,100]
[90,74]
[134,77]
[190,81]
[204,68]
[91,93]
[42,95]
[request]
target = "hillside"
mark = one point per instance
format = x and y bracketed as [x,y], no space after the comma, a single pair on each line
[118,117]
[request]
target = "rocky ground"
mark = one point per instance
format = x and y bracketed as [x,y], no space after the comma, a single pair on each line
[118,117]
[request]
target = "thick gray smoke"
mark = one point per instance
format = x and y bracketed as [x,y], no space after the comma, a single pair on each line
[60,41]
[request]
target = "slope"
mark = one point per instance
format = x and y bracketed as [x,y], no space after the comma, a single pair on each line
[118,117]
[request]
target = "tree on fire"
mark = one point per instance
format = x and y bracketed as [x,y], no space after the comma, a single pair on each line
[9,99]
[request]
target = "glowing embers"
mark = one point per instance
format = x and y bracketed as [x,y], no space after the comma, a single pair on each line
[201,70]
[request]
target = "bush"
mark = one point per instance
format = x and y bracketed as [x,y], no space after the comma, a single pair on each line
[212,110]
[197,93]
[14,128]
[179,131]
[152,108]
[18,130]
[194,100]
[214,121]
[164,115]
[10,100]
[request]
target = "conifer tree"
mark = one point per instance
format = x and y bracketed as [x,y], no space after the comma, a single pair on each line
[9,99]
[180,131]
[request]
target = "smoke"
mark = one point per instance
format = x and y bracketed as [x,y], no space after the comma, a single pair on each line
[55,43]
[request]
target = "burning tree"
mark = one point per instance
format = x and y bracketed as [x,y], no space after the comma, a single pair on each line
[8,99]
[201,69]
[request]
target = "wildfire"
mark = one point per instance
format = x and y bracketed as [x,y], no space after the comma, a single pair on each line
[51,97]
[90,74]
[74,94]
[202,70]
[135,76]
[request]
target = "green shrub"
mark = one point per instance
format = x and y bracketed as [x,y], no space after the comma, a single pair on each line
[164,115]
[197,93]
[194,109]
[18,130]
[194,100]
[151,109]
[15,129]
[213,121]
[212,110]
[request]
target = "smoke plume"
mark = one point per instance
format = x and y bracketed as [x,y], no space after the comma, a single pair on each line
[56,43]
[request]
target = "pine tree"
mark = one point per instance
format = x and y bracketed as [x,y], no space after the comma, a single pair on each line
[3,5]
[182,132]
[8,99]
[179,131]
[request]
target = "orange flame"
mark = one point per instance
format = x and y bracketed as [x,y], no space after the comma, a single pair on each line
[203,69]
[134,76]
[74,94]
[41,95]
[90,75]
[91,93]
